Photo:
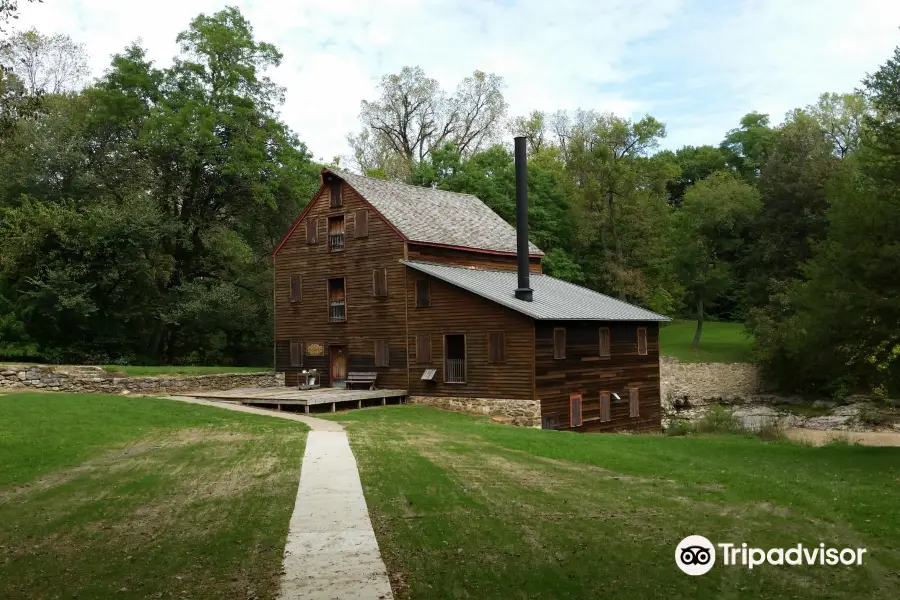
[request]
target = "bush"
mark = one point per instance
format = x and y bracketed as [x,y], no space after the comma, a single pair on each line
[873,417]
[718,419]
[678,428]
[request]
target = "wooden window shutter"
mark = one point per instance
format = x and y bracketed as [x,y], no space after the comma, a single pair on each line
[334,194]
[575,410]
[382,354]
[362,224]
[423,349]
[312,231]
[559,343]
[496,347]
[605,412]
[296,353]
[423,293]
[634,403]
[296,288]
[604,342]
[379,282]
[642,341]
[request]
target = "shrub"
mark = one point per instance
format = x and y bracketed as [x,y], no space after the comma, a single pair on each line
[770,431]
[678,428]
[873,417]
[718,419]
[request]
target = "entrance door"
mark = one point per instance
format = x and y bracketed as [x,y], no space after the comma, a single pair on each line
[338,369]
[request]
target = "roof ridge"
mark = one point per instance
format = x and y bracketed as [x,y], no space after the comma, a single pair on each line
[412,185]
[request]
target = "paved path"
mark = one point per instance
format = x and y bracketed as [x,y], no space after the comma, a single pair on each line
[331,551]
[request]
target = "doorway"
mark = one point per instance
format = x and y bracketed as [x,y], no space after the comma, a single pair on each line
[338,370]
[455,358]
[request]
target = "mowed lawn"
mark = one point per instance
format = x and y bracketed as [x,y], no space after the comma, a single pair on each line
[720,342]
[111,497]
[463,508]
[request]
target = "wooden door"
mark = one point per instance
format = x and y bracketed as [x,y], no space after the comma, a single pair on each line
[338,366]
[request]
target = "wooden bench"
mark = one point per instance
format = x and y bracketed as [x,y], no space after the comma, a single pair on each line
[361,379]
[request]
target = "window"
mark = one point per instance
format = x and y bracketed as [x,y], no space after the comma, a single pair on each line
[559,343]
[642,341]
[604,342]
[455,358]
[296,353]
[336,233]
[634,404]
[423,349]
[382,354]
[379,282]
[423,293]
[335,193]
[296,289]
[312,231]
[605,412]
[496,347]
[362,224]
[337,307]
[575,410]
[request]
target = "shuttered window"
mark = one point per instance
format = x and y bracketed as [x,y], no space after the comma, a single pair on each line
[423,293]
[335,193]
[496,347]
[423,349]
[634,403]
[605,411]
[559,343]
[296,289]
[379,282]
[604,342]
[642,341]
[296,353]
[382,354]
[362,224]
[575,410]
[312,231]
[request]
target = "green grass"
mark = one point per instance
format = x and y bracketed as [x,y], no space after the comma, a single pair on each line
[720,342]
[176,370]
[467,509]
[111,497]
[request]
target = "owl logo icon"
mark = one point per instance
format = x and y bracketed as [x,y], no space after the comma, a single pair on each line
[695,555]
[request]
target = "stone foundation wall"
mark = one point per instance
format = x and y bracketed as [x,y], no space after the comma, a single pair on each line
[526,413]
[698,384]
[96,380]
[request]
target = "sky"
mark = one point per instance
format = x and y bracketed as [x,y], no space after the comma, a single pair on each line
[696,65]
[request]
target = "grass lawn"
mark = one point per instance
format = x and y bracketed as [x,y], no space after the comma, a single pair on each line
[467,509]
[111,497]
[175,370]
[720,342]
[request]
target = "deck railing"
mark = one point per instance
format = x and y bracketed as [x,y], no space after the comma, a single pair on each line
[338,311]
[456,370]
[336,241]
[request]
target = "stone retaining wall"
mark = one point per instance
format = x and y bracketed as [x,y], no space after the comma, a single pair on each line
[698,384]
[526,413]
[96,380]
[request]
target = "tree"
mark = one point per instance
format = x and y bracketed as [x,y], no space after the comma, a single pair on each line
[534,128]
[695,164]
[414,116]
[710,229]
[49,64]
[841,117]
[747,147]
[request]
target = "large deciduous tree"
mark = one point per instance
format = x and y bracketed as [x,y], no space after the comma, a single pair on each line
[49,64]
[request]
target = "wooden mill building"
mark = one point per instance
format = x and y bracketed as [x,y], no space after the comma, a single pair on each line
[428,289]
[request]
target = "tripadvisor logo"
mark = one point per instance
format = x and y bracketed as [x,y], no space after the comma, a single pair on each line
[696,555]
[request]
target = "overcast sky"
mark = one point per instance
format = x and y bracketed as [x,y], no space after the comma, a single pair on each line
[697,65]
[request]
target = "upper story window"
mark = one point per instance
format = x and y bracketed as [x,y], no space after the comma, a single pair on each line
[296,289]
[605,342]
[335,193]
[423,293]
[642,341]
[379,282]
[559,343]
[336,233]
[312,231]
[337,301]
[496,347]
[362,224]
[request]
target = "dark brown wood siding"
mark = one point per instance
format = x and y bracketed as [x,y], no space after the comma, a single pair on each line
[583,372]
[368,318]
[454,256]
[455,311]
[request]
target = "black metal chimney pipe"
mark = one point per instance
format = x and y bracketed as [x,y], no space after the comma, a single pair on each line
[524,291]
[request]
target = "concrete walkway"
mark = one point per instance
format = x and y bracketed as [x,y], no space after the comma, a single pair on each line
[331,551]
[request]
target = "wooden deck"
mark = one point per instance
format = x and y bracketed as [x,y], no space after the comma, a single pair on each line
[285,396]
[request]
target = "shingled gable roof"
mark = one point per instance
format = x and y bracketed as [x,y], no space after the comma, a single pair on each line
[554,299]
[432,216]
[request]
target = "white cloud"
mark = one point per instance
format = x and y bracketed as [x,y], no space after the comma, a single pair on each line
[697,65]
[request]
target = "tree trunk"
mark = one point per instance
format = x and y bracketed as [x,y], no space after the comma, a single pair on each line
[696,345]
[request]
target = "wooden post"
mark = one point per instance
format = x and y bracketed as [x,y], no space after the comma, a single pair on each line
[359,404]
[383,401]
[306,408]
[279,408]
[332,407]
